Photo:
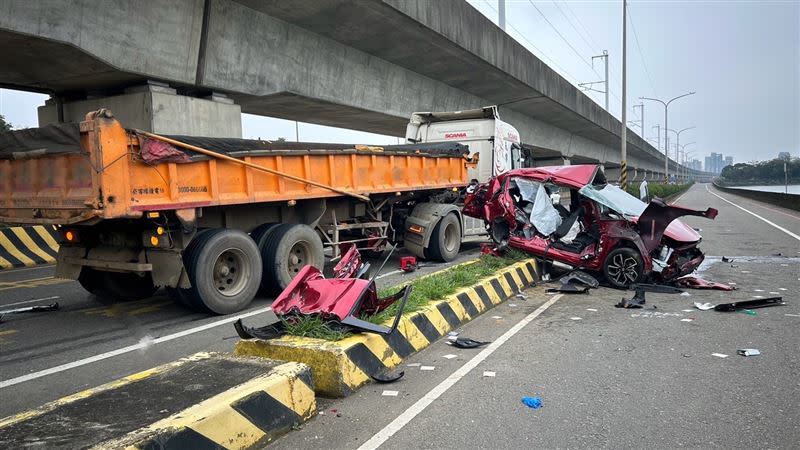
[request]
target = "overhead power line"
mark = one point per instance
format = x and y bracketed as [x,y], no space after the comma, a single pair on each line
[641,54]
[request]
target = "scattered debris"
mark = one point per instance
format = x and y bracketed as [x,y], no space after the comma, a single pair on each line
[427,367]
[758,290]
[413,365]
[387,377]
[522,296]
[693,282]
[497,317]
[450,356]
[488,373]
[637,301]
[591,309]
[408,263]
[532,402]
[341,300]
[686,320]
[576,282]
[390,393]
[703,306]
[719,355]
[513,305]
[748,352]
[687,310]
[749,312]
[489,249]
[30,309]
[575,318]
[750,304]
[727,260]
[686,294]
[782,289]
[467,343]
[792,315]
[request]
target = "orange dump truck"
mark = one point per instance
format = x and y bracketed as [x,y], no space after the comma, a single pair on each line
[214,219]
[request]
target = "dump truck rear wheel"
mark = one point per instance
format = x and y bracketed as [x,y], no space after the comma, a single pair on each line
[289,248]
[262,233]
[224,267]
[446,239]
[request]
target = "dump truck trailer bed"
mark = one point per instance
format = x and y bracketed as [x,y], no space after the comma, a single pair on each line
[214,220]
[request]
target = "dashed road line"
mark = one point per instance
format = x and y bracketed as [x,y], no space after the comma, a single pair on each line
[403,419]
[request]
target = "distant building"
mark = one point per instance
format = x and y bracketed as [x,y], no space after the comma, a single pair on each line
[728,161]
[715,162]
[786,156]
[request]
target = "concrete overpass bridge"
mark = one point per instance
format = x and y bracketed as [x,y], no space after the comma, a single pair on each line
[192,66]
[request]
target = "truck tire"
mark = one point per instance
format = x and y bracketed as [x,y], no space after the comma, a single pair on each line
[117,286]
[261,234]
[623,267]
[290,247]
[224,267]
[446,239]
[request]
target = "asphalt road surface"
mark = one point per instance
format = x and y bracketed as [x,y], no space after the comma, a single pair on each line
[607,377]
[45,356]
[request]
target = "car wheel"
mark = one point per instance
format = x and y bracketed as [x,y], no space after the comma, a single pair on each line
[446,239]
[623,267]
[289,249]
[224,267]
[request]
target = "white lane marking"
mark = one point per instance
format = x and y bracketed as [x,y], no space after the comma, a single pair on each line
[31,301]
[755,215]
[128,349]
[680,197]
[394,272]
[403,419]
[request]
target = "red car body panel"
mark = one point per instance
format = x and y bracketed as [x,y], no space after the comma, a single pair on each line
[493,203]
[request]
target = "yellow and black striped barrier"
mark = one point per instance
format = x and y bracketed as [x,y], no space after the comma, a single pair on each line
[206,400]
[340,367]
[27,246]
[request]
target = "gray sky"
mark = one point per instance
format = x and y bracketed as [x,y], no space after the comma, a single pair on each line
[742,58]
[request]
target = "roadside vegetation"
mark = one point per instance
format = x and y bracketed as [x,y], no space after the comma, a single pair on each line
[659,190]
[426,289]
[760,173]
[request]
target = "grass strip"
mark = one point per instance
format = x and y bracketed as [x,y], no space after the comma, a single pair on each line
[426,289]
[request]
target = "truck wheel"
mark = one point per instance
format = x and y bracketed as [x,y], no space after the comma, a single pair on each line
[91,280]
[623,267]
[224,268]
[290,248]
[446,239]
[180,295]
[261,234]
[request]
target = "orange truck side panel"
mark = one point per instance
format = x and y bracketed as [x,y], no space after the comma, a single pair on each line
[110,180]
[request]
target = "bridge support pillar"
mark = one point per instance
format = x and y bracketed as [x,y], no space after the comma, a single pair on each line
[157,108]
[612,174]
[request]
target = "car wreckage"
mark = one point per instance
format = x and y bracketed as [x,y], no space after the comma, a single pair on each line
[572,215]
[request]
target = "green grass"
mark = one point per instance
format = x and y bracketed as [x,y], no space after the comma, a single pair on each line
[425,290]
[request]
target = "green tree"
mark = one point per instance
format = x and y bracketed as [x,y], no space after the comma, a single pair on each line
[4,126]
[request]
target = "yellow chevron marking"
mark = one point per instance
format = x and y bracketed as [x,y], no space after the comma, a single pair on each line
[31,245]
[494,296]
[48,238]
[412,334]
[458,308]
[476,301]
[437,319]
[515,276]
[5,264]
[14,251]
[382,350]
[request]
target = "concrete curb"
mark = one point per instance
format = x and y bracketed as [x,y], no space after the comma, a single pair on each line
[27,246]
[273,398]
[341,367]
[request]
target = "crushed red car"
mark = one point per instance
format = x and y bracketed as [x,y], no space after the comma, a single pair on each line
[572,215]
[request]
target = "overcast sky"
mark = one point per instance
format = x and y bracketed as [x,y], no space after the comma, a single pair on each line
[742,58]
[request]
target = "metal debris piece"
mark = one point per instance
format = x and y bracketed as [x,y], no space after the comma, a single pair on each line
[467,343]
[748,352]
[703,306]
[637,301]
[387,377]
[750,304]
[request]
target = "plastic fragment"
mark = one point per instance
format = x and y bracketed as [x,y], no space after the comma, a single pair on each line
[532,402]
[748,352]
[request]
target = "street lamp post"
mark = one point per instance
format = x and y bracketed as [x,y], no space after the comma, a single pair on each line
[683,158]
[666,138]
[677,143]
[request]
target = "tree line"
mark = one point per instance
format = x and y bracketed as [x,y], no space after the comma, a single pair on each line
[762,172]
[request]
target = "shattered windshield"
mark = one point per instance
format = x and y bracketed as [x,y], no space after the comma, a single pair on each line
[615,198]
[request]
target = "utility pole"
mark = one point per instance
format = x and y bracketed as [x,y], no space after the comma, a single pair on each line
[623,174]
[588,86]
[501,11]
[658,128]
[641,121]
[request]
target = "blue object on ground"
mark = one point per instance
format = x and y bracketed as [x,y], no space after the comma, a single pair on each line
[532,402]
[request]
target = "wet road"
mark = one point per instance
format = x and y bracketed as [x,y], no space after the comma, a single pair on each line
[45,356]
[609,377]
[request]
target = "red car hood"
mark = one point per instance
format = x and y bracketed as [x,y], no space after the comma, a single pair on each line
[659,219]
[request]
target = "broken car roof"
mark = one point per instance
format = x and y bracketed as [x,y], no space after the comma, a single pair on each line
[575,176]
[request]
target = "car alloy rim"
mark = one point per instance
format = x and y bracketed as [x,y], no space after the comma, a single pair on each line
[623,269]
[231,271]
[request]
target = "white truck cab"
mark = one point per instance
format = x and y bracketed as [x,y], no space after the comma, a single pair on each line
[497,142]
[498,146]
